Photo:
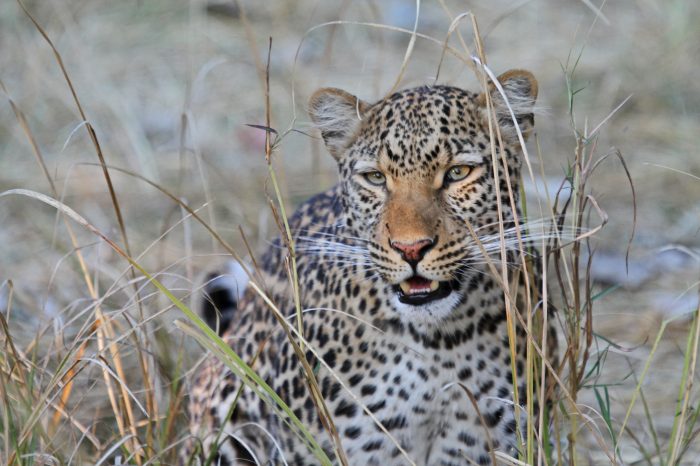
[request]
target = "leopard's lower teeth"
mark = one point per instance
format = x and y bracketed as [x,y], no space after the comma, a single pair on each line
[407,290]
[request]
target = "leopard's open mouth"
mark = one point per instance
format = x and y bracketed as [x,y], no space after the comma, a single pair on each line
[418,290]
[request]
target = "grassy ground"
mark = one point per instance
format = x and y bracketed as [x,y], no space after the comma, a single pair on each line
[168,87]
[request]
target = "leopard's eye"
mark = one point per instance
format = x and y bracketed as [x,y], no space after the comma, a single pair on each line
[376,178]
[457,173]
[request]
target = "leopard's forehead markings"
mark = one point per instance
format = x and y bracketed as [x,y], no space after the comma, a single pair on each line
[417,130]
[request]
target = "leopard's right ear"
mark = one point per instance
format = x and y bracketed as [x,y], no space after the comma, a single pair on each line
[337,114]
[520,90]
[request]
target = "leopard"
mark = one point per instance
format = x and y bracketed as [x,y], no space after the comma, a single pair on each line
[395,280]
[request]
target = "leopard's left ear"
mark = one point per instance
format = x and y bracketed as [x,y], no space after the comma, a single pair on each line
[520,89]
[337,114]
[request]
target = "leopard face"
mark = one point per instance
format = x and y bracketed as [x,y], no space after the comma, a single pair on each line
[421,191]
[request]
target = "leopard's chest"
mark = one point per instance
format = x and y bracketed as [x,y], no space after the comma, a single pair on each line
[424,394]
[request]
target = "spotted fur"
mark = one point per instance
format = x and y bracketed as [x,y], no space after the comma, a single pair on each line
[410,365]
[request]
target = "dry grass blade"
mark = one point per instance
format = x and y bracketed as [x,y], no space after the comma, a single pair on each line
[619,157]
[450,31]
[598,11]
[409,51]
[113,449]
[675,170]
[593,133]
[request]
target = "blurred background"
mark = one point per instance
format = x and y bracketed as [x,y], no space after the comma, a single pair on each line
[169,86]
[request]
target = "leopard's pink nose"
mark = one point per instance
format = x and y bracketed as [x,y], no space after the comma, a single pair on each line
[413,252]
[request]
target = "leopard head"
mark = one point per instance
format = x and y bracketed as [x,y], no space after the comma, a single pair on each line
[417,171]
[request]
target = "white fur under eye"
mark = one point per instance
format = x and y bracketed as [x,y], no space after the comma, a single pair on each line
[468,158]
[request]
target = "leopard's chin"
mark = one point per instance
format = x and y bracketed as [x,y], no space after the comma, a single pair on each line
[420,300]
